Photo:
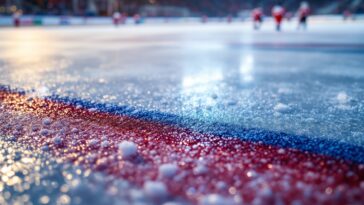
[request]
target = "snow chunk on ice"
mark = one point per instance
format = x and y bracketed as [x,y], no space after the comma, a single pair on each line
[128,149]
[284,90]
[168,170]
[221,185]
[155,190]
[44,132]
[251,174]
[47,121]
[281,151]
[74,130]
[214,199]
[45,148]
[57,140]
[342,100]
[172,203]
[42,92]
[342,97]
[92,109]
[280,107]
[105,143]
[93,142]
[200,169]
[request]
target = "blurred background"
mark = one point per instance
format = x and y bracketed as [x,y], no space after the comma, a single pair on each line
[170,8]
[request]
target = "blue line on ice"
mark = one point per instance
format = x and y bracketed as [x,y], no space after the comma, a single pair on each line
[318,145]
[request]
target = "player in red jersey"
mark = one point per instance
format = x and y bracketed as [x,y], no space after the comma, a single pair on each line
[303,13]
[347,14]
[204,19]
[229,19]
[16,18]
[257,16]
[137,19]
[116,18]
[278,13]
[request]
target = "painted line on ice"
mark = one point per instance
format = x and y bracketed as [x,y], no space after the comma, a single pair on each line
[318,145]
[205,163]
[313,144]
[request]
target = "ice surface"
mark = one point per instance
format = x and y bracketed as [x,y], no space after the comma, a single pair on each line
[214,73]
[301,83]
[38,178]
[211,169]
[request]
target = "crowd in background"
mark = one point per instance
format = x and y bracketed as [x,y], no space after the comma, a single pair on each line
[170,7]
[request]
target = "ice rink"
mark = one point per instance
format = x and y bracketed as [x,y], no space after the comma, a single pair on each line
[298,82]
[217,78]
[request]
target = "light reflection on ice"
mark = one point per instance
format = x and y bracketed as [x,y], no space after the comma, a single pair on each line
[246,68]
[227,74]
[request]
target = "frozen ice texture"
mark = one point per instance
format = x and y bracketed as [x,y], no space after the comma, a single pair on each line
[215,74]
[317,73]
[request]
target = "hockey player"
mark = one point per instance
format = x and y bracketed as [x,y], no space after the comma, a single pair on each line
[278,14]
[116,18]
[137,19]
[303,13]
[16,18]
[257,16]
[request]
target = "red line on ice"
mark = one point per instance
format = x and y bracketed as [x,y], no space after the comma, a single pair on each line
[206,164]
